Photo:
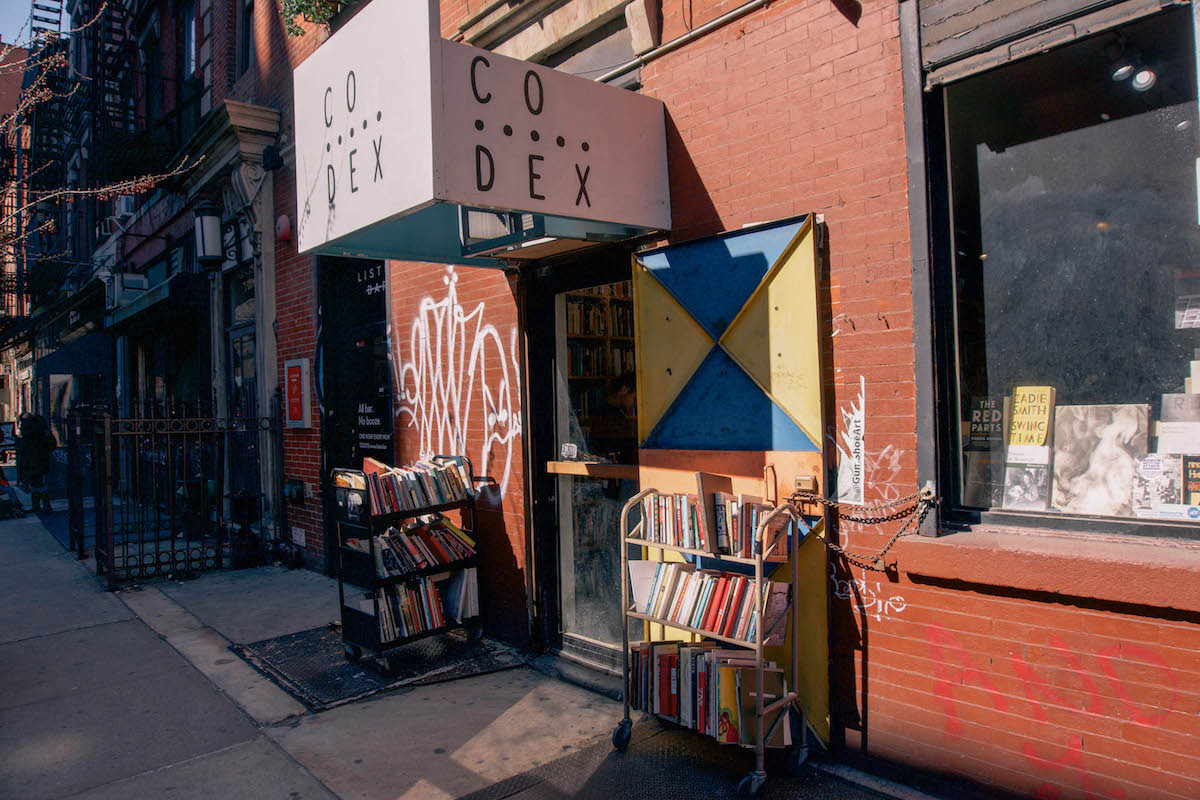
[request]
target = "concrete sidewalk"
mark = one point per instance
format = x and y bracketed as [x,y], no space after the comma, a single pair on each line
[95,705]
[136,694]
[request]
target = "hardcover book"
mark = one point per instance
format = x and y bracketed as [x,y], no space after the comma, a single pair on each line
[1096,453]
[1030,437]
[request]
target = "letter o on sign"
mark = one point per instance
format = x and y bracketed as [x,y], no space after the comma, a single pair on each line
[351,90]
[531,77]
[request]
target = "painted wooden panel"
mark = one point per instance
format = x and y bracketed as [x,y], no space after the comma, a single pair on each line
[774,338]
[722,407]
[670,346]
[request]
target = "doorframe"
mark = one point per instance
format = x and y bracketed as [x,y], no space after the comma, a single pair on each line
[542,281]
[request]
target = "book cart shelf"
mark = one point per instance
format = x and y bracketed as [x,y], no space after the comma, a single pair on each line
[752,784]
[361,634]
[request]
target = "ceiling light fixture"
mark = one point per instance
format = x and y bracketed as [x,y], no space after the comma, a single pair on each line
[1144,79]
[1122,71]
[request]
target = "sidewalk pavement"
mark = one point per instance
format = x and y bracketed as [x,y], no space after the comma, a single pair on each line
[136,694]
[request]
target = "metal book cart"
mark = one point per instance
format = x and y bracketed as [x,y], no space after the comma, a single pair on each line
[798,752]
[361,634]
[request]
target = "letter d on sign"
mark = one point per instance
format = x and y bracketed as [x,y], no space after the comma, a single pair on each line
[330,181]
[481,153]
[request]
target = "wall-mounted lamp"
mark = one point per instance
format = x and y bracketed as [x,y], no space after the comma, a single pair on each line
[209,253]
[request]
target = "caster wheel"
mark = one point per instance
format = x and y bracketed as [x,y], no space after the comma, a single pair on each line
[750,786]
[474,635]
[387,668]
[353,653]
[622,735]
[796,758]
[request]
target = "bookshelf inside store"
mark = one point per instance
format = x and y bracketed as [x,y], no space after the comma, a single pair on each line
[715,583]
[406,555]
[598,350]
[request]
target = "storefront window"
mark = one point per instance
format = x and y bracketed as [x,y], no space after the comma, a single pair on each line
[1076,254]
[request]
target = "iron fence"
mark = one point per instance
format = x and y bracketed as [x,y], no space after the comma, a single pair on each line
[174,496]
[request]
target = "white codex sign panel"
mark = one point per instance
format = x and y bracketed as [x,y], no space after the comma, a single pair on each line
[391,119]
[364,132]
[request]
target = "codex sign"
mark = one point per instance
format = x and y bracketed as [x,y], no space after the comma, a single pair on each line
[391,119]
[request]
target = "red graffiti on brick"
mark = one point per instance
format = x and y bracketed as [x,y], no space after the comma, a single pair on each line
[1142,654]
[1071,760]
[1035,684]
[1041,694]
[945,678]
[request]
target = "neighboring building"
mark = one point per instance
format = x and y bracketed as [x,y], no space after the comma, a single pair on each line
[13,394]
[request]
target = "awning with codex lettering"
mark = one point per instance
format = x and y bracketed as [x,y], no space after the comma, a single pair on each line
[412,147]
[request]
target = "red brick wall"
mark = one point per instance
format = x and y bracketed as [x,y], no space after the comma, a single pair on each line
[458,391]
[795,109]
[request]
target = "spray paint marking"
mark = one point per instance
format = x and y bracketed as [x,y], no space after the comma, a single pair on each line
[459,378]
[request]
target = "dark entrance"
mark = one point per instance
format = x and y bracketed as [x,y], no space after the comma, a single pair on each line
[354,377]
[582,408]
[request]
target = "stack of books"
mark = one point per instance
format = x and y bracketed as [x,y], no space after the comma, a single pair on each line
[407,610]
[417,546]
[721,603]
[462,595]
[679,520]
[707,689]
[422,485]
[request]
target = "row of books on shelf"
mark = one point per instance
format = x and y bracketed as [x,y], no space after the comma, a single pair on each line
[720,603]
[424,484]
[619,290]
[411,609]
[726,524]
[707,689]
[591,319]
[598,360]
[419,545]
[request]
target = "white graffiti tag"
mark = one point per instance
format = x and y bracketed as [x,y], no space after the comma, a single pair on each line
[865,596]
[458,367]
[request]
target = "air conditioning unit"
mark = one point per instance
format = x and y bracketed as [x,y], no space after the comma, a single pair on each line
[123,287]
[105,228]
[124,206]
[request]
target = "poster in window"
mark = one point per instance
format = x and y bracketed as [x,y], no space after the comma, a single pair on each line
[1096,454]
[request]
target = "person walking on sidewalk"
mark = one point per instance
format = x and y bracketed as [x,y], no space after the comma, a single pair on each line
[35,445]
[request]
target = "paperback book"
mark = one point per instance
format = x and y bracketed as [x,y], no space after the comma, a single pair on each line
[1096,454]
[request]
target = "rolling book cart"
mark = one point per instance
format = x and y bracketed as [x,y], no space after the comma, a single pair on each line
[752,784]
[361,631]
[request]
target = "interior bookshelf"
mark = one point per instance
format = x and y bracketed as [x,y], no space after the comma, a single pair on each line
[405,573]
[682,598]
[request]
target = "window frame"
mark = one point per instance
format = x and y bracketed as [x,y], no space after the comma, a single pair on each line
[939,456]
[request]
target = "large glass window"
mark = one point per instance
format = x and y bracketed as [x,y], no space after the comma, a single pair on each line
[1076,255]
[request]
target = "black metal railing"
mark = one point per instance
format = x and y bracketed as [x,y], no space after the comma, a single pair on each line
[173,496]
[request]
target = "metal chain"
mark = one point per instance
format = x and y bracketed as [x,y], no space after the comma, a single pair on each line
[913,508]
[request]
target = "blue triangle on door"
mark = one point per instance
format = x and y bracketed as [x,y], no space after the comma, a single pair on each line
[714,277]
[721,408]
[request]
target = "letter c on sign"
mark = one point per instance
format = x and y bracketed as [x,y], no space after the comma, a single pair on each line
[475,62]
[528,99]
[328,116]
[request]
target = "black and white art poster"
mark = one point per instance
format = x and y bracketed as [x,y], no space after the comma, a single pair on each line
[1096,454]
[1026,487]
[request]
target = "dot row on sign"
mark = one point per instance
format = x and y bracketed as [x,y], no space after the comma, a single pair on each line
[378,117]
[534,135]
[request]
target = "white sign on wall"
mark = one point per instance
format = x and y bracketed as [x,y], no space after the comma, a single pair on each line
[393,122]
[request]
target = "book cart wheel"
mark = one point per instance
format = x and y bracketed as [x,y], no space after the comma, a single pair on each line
[353,653]
[622,734]
[797,755]
[752,784]
[474,634]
